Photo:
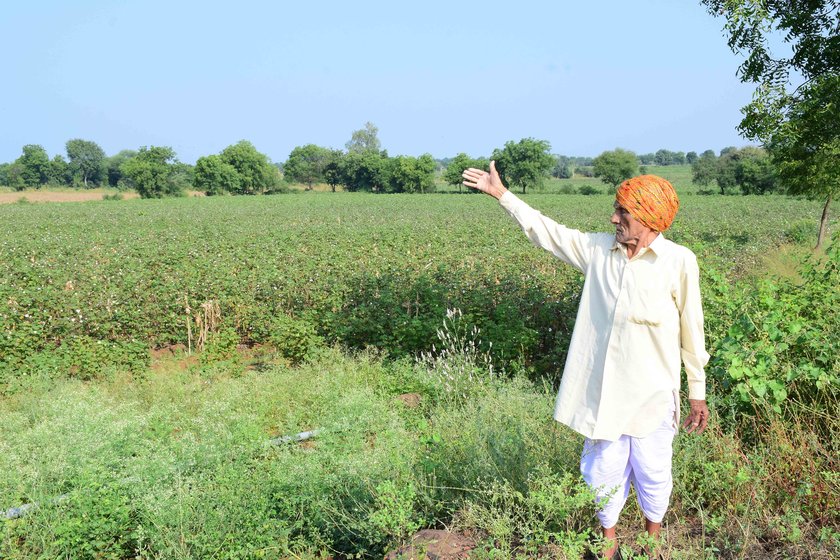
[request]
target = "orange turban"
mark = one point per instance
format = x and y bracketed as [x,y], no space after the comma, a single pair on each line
[650,199]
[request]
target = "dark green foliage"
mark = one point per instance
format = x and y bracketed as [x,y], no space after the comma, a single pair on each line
[647,159]
[295,339]
[407,174]
[704,169]
[563,168]
[213,176]
[799,121]
[153,172]
[524,164]
[87,161]
[457,165]
[59,172]
[747,169]
[667,157]
[364,171]
[256,174]
[113,167]
[307,164]
[782,341]
[615,166]
[333,168]
[31,169]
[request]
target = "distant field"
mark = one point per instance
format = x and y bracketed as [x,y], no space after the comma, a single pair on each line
[58,196]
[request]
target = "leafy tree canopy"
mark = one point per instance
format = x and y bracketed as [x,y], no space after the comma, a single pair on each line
[113,165]
[799,124]
[615,166]
[307,164]
[457,165]
[332,168]
[87,160]
[411,174]
[256,174]
[59,171]
[524,164]
[213,176]
[366,171]
[152,172]
[31,169]
[364,140]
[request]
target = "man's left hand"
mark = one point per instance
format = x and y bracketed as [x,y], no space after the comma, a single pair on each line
[698,417]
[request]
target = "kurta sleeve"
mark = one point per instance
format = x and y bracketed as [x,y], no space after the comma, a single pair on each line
[692,340]
[569,245]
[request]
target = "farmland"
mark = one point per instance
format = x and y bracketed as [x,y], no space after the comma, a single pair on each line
[152,347]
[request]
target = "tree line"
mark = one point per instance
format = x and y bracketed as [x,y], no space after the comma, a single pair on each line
[154,171]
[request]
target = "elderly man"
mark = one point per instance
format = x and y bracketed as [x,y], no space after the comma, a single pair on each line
[639,317]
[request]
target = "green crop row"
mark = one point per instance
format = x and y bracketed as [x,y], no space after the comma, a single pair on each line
[101,279]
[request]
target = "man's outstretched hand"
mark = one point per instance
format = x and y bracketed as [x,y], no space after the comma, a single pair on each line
[697,418]
[489,183]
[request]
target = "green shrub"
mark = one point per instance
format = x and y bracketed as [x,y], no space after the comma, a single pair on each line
[220,346]
[783,343]
[295,339]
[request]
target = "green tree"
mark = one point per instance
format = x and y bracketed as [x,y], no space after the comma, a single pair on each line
[306,164]
[562,168]
[794,122]
[365,140]
[525,164]
[213,176]
[256,173]
[615,166]
[113,167]
[33,167]
[691,157]
[4,174]
[332,168]
[86,160]
[662,157]
[411,174]
[756,173]
[366,171]
[59,171]
[726,171]
[152,172]
[647,159]
[457,165]
[806,149]
[704,169]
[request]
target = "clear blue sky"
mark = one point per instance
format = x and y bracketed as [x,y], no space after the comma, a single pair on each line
[437,77]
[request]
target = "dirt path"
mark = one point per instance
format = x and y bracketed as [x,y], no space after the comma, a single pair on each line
[66,196]
[56,196]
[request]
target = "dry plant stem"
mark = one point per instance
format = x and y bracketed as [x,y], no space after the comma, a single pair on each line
[207,322]
[188,311]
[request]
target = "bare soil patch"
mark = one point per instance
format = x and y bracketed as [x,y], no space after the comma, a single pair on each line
[67,196]
[57,196]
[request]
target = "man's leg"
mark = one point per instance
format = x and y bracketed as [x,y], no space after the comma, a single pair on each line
[650,458]
[605,466]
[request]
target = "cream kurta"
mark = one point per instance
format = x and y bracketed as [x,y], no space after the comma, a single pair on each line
[638,318]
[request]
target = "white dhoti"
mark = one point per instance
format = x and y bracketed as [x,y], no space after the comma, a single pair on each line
[609,467]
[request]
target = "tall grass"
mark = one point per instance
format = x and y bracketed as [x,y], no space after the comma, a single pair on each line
[178,465]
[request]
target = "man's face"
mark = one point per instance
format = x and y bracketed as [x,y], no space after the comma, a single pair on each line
[628,229]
